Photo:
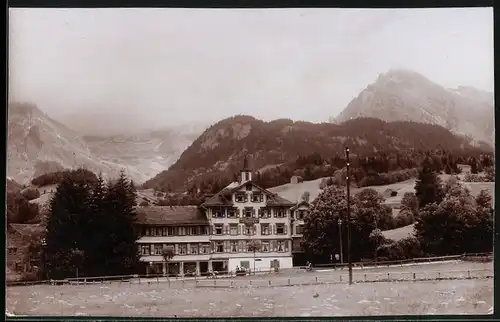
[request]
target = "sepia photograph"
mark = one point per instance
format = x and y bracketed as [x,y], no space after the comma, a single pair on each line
[217,163]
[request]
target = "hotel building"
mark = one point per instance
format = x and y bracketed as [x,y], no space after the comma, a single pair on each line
[218,235]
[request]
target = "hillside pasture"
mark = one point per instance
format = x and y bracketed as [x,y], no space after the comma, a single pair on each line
[399,233]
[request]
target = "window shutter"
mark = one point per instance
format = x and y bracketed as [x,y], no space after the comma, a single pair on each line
[286,245]
[273,245]
[273,229]
[226,229]
[254,229]
[285,229]
[152,249]
[253,212]
[239,229]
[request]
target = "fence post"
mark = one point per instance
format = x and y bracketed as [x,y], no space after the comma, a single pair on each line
[439,275]
[316,278]
[414,277]
[269,282]
[215,282]
[340,278]
[288,281]
[250,283]
[365,277]
[388,276]
[468,274]
[157,280]
[232,283]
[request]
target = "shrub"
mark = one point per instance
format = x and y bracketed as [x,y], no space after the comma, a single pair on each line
[144,203]
[30,193]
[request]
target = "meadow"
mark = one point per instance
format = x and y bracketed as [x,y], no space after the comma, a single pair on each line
[252,295]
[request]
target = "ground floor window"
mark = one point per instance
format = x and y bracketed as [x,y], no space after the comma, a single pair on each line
[245,264]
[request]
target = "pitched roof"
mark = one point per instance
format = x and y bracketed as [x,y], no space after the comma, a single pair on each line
[221,199]
[175,215]
[302,203]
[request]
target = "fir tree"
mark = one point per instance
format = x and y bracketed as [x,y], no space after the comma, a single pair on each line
[121,249]
[66,225]
[428,186]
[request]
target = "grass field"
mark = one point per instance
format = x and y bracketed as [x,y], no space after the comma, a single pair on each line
[184,299]
[399,233]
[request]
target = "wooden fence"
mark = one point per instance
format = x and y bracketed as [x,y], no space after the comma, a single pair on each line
[138,279]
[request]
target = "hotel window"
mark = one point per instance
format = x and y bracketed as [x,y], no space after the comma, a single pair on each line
[218,213]
[204,230]
[153,231]
[170,231]
[249,245]
[145,250]
[265,246]
[281,246]
[183,249]
[264,213]
[205,249]
[194,248]
[264,229]
[299,229]
[249,230]
[234,246]
[257,197]
[219,247]
[248,212]
[164,231]
[280,229]
[182,231]
[146,231]
[219,229]
[279,213]
[157,249]
[233,229]
[240,197]
[231,213]
[301,214]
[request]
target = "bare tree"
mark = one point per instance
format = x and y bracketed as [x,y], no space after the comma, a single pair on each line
[254,246]
[167,253]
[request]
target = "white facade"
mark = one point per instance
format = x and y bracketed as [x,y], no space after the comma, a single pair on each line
[251,214]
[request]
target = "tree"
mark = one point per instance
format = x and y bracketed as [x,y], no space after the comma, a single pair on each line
[167,252]
[410,202]
[67,225]
[254,246]
[489,174]
[428,186]
[483,199]
[121,249]
[305,196]
[455,226]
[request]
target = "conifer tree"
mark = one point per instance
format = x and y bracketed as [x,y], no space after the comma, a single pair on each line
[66,225]
[428,187]
[121,249]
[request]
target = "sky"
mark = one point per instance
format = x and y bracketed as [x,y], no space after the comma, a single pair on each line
[125,68]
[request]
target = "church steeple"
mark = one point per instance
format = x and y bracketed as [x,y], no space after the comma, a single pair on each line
[245,172]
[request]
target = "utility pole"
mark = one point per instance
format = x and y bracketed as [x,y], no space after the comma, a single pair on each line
[340,240]
[348,179]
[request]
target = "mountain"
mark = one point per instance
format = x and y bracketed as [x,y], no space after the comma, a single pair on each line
[403,95]
[220,150]
[38,144]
